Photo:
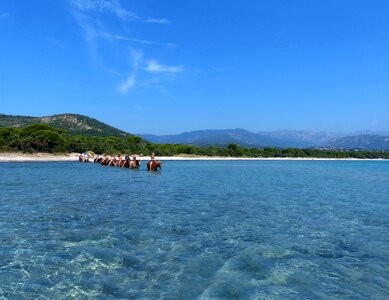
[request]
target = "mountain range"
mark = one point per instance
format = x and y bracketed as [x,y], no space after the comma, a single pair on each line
[84,125]
[282,139]
[279,139]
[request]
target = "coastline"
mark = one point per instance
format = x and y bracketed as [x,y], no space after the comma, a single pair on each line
[49,157]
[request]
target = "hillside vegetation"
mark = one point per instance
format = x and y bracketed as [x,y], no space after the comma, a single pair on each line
[44,138]
[78,133]
[72,123]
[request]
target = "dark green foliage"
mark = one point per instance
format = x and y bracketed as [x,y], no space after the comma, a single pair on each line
[71,123]
[44,138]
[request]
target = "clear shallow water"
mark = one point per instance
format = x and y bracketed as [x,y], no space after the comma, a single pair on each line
[205,230]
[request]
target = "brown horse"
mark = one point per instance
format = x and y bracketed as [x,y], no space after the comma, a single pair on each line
[98,160]
[134,164]
[131,164]
[154,165]
[105,161]
[122,163]
[82,158]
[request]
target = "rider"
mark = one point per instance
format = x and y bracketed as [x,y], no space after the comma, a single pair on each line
[112,160]
[152,157]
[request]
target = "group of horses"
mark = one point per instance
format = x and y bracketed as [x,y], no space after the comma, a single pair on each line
[152,165]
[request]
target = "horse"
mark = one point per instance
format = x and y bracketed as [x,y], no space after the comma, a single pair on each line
[123,163]
[131,164]
[98,160]
[82,158]
[154,165]
[134,164]
[105,161]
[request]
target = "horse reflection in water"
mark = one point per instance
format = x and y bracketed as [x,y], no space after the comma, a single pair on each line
[154,165]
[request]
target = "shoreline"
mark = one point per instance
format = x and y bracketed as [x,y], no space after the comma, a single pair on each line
[48,157]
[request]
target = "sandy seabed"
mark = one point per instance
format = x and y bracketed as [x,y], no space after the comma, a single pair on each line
[48,157]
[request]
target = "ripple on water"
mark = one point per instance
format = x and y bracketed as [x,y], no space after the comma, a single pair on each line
[207,230]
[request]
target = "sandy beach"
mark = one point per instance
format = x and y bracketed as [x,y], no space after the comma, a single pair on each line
[42,157]
[48,157]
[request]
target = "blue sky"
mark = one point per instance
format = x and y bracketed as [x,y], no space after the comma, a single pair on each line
[150,66]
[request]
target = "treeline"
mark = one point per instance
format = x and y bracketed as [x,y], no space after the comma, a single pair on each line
[43,138]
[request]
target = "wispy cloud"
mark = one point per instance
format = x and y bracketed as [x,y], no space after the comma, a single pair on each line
[146,42]
[56,43]
[112,71]
[158,21]
[92,17]
[114,7]
[155,67]
[4,15]
[130,81]
[128,84]
[91,33]
[94,28]
[105,6]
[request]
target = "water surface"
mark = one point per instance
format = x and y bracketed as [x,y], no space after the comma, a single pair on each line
[196,230]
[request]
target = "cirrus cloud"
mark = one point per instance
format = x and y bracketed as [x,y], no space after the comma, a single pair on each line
[155,67]
[130,81]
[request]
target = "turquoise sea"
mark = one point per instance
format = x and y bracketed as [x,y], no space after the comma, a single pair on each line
[195,230]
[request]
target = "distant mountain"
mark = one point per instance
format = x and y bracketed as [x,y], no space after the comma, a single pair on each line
[364,142]
[72,123]
[212,137]
[281,139]
[304,138]
[83,125]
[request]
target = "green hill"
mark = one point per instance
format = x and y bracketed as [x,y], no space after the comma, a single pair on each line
[72,123]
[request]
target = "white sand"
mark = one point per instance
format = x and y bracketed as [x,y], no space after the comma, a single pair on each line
[47,157]
[23,157]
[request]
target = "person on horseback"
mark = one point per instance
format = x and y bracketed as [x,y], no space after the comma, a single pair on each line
[120,158]
[152,158]
[112,160]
